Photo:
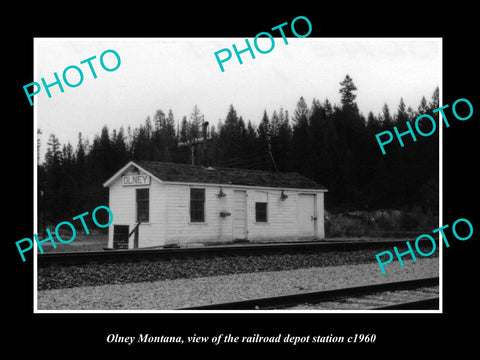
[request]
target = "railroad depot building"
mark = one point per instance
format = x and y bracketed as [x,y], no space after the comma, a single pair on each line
[179,204]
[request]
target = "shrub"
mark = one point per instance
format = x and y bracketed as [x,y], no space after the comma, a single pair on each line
[380,223]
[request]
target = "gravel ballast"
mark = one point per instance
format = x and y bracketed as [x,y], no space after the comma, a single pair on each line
[56,277]
[184,292]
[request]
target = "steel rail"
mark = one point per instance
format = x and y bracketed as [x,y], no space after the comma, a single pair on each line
[423,304]
[124,255]
[284,301]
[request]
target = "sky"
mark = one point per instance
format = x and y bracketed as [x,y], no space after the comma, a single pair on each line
[179,73]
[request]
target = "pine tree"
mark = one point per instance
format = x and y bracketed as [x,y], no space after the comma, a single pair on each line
[427,155]
[284,140]
[347,89]
[435,103]
[80,155]
[387,121]
[251,140]
[159,145]
[159,120]
[423,107]
[53,154]
[373,124]
[274,137]
[66,191]
[67,156]
[243,143]
[170,123]
[300,117]
[300,138]
[107,165]
[402,115]
[148,127]
[183,136]
[317,145]
[140,144]
[129,140]
[264,145]
[274,124]
[119,149]
[196,120]
[352,139]
[53,181]
[264,132]
[183,153]
[168,137]
[80,175]
[228,146]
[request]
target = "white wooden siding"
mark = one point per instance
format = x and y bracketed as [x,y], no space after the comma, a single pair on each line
[320,215]
[169,214]
[122,202]
[215,228]
[281,218]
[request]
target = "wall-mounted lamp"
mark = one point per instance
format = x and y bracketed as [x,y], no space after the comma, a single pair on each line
[224,214]
[283,196]
[221,194]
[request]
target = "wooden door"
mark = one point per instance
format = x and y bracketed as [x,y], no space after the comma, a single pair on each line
[120,236]
[240,214]
[306,214]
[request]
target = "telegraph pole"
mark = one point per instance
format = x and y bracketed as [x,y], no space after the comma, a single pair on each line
[197,141]
[269,141]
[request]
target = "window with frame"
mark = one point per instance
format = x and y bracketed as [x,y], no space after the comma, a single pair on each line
[143,205]
[261,212]
[197,205]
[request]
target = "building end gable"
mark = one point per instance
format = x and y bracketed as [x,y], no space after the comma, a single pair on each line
[130,168]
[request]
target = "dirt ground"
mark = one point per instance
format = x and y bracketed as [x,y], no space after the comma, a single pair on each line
[82,242]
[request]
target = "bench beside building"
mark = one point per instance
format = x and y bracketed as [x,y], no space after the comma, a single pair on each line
[178,204]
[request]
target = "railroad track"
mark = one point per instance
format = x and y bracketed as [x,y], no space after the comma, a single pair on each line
[360,297]
[84,257]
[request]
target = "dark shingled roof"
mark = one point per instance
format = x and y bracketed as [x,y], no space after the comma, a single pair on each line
[217,175]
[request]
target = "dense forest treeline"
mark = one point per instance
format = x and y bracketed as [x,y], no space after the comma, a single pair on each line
[334,145]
